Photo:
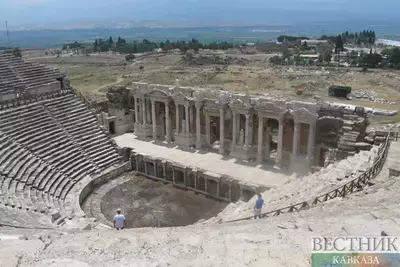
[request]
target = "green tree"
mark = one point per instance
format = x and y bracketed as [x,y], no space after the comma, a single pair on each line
[129,57]
[327,56]
[276,60]
[371,60]
[96,46]
[339,44]
[285,52]
[394,57]
[110,42]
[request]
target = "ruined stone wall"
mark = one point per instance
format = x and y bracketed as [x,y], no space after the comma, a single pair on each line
[337,128]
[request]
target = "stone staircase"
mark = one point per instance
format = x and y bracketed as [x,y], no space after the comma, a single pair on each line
[304,188]
[21,75]
[46,148]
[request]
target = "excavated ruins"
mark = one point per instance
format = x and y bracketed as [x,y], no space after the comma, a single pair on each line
[63,162]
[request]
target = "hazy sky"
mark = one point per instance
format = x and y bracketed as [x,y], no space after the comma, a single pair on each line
[44,12]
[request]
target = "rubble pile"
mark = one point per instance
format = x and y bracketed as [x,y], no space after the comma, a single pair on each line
[351,140]
[377,135]
[371,96]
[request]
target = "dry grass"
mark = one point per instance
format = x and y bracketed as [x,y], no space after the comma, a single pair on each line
[255,78]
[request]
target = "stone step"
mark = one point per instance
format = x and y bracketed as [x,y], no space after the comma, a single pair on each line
[61,187]
[56,183]
[21,166]
[41,167]
[7,152]
[46,179]
[107,160]
[14,163]
[29,131]
[42,176]
[23,174]
[25,124]
[28,199]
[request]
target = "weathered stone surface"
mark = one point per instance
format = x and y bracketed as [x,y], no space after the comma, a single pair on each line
[363,146]
[118,94]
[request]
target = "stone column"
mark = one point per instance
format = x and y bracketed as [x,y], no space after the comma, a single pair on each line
[234,128]
[144,112]
[153,114]
[148,111]
[155,169]
[267,143]
[187,120]
[246,132]
[278,161]
[136,111]
[167,123]
[296,138]
[191,119]
[311,143]
[145,167]
[221,130]
[164,170]
[208,130]
[198,126]
[260,139]
[177,119]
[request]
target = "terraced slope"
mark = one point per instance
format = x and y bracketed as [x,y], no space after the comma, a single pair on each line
[18,75]
[45,148]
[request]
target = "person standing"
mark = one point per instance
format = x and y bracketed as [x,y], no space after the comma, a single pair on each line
[258,206]
[119,220]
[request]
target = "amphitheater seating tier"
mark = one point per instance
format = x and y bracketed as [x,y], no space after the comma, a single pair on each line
[16,73]
[45,148]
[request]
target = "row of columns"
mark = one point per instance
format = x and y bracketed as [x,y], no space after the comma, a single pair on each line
[185,178]
[189,119]
[235,126]
[278,160]
[296,141]
[142,116]
[189,124]
[310,143]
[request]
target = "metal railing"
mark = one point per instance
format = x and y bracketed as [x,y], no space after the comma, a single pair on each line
[352,186]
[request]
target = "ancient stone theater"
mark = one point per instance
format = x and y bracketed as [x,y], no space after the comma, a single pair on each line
[267,130]
[56,148]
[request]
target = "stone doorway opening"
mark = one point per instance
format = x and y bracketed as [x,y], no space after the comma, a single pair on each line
[111,127]
[215,127]
[271,135]
[179,177]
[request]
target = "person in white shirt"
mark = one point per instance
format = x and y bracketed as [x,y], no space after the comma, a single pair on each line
[119,220]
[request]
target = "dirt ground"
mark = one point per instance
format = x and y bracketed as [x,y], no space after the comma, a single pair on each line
[95,73]
[147,203]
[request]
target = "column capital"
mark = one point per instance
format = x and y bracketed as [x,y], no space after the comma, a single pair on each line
[247,116]
[198,104]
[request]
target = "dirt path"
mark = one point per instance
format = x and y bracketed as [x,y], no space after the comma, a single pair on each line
[98,90]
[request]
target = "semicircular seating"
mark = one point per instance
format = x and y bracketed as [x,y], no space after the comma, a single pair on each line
[45,148]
